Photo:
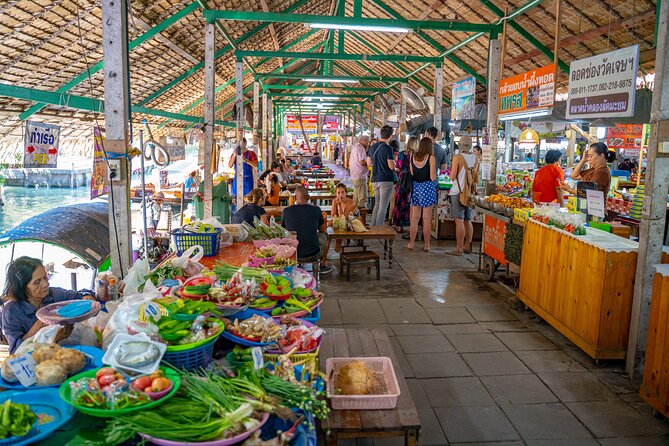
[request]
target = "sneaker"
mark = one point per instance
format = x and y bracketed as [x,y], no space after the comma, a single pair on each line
[325,269]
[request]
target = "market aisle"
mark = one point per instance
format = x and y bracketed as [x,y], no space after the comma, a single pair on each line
[481,372]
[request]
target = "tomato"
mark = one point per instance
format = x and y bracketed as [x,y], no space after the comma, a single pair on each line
[160,384]
[105,371]
[105,380]
[142,383]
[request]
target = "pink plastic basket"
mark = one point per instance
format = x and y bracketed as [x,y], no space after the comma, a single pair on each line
[382,367]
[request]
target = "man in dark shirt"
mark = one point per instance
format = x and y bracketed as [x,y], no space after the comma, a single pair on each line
[382,160]
[307,221]
[440,154]
[316,161]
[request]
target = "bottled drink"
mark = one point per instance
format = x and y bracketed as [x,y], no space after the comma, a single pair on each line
[112,290]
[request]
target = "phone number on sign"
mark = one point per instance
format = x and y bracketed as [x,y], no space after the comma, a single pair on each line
[604,86]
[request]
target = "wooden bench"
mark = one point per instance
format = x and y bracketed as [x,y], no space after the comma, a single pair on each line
[364,257]
[403,421]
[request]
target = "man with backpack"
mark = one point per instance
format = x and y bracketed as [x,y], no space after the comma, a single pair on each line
[465,177]
[382,160]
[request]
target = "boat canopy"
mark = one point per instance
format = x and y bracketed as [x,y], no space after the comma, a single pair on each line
[82,229]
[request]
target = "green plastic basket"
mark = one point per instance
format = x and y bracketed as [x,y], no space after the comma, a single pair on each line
[108,413]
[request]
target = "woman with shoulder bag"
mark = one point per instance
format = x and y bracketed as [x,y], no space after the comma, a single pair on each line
[423,168]
[402,210]
[464,175]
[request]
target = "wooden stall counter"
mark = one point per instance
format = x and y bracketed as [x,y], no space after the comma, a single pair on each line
[580,285]
[655,387]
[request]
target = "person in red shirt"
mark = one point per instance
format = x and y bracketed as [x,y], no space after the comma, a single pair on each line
[546,186]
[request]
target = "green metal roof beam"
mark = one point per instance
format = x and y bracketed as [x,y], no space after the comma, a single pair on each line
[218,54]
[87,104]
[399,67]
[524,33]
[276,17]
[310,88]
[131,46]
[327,78]
[434,43]
[232,81]
[333,56]
[323,96]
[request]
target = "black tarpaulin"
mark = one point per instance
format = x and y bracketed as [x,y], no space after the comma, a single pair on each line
[80,228]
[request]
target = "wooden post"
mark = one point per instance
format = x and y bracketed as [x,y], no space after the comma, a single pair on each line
[384,116]
[271,112]
[651,232]
[116,91]
[239,103]
[402,119]
[371,119]
[558,26]
[209,114]
[571,148]
[504,39]
[265,114]
[494,62]
[438,95]
[256,119]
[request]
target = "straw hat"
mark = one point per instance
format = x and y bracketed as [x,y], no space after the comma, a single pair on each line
[465,143]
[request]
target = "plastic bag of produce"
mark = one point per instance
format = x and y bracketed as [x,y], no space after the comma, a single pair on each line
[129,315]
[136,276]
[189,261]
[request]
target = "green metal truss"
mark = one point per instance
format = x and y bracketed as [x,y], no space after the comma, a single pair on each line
[327,78]
[333,56]
[131,46]
[87,104]
[526,34]
[276,17]
[217,55]
[323,96]
[310,88]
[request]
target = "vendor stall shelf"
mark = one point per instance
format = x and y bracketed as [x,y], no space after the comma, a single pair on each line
[655,387]
[580,285]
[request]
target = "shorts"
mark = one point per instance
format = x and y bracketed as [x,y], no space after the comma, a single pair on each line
[458,211]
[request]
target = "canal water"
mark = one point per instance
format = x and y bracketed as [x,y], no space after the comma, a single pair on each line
[21,203]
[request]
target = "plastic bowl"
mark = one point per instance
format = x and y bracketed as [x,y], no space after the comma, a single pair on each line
[155,396]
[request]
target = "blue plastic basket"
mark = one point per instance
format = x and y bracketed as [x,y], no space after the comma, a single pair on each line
[193,359]
[185,239]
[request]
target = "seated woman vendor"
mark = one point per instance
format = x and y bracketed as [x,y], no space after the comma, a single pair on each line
[28,290]
[253,208]
[598,156]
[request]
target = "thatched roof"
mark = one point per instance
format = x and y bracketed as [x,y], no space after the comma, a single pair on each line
[44,44]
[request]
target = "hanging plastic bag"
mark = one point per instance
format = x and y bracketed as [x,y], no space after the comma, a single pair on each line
[128,313]
[136,276]
[189,261]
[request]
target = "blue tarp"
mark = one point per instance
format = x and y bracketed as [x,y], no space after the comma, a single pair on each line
[80,228]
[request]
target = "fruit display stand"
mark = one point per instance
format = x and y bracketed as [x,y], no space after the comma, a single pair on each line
[655,386]
[582,285]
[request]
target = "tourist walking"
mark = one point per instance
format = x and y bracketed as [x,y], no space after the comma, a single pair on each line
[423,171]
[358,171]
[383,166]
[402,211]
[465,176]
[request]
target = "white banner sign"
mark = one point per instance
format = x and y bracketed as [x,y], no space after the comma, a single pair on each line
[603,86]
[40,145]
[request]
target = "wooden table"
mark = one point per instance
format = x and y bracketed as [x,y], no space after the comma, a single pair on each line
[402,421]
[385,233]
[277,211]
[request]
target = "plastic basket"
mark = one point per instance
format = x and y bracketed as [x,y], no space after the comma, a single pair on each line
[192,359]
[185,239]
[382,367]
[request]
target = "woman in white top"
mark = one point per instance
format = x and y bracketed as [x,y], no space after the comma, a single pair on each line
[464,230]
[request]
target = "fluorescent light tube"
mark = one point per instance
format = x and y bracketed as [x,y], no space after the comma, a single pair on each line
[333,79]
[380,29]
[524,115]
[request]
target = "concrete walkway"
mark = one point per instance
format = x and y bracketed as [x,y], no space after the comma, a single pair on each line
[480,372]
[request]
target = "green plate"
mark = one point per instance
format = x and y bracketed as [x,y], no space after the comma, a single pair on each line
[184,347]
[108,413]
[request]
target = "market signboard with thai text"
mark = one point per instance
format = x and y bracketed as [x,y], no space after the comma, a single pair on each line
[603,86]
[493,238]
[527,91]
[99,184]
[41,145]
[624,136]
[309,122]
[463,100]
